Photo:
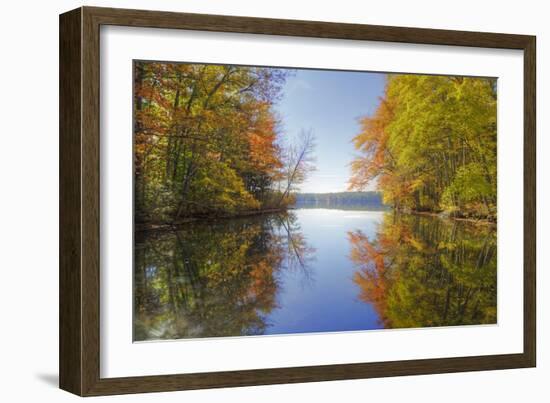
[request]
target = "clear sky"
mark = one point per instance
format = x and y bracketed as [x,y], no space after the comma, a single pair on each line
[330,103]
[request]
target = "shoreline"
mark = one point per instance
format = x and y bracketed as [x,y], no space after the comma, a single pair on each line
[164,226]
[442,215]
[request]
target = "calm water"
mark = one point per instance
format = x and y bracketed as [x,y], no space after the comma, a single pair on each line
[313,270]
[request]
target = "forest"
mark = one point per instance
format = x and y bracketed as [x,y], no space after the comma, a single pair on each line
[421,271]
[207,142]
[371,198]
[431,145]
[215,280]
[226,278]
[214,149]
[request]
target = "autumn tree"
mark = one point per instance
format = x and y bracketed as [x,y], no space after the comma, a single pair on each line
[431,145]
[220,279]
[419,271]
[206,139]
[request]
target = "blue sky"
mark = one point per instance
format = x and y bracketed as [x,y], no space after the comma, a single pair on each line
[330,103]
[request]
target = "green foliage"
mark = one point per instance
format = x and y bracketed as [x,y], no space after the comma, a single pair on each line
[423,271]
[431,145]
[221,186]
[469,186]
[213,279]
[206,140]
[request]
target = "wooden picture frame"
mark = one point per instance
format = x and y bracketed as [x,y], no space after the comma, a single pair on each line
[79,346]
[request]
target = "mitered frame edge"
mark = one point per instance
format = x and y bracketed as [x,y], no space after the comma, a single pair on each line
[79,205]
[70,270]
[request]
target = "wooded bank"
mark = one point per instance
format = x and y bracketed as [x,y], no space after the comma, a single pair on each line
[431,145]
[207,142]
[171,225]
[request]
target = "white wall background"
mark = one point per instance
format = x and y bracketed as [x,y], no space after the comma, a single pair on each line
[29,198]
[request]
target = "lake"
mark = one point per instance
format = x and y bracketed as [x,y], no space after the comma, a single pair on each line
[313,270]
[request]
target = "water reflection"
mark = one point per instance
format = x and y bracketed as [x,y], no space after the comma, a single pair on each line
[215,279]
[313,271]
[423,271]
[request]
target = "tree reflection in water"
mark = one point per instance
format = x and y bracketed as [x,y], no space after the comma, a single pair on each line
[423,271]
[240,277]
[214,278]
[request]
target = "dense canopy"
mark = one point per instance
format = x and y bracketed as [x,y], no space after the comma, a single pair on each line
[206,141]
[431,145]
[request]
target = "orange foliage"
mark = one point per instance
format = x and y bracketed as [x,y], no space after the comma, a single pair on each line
[265,154]
[372,142]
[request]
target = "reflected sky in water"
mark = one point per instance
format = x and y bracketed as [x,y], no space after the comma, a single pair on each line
[313,270]
[326,300]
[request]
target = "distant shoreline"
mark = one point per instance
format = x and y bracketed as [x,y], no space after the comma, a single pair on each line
[167,226]
[373,199]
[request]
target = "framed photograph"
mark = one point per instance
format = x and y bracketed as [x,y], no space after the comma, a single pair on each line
[249,201]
